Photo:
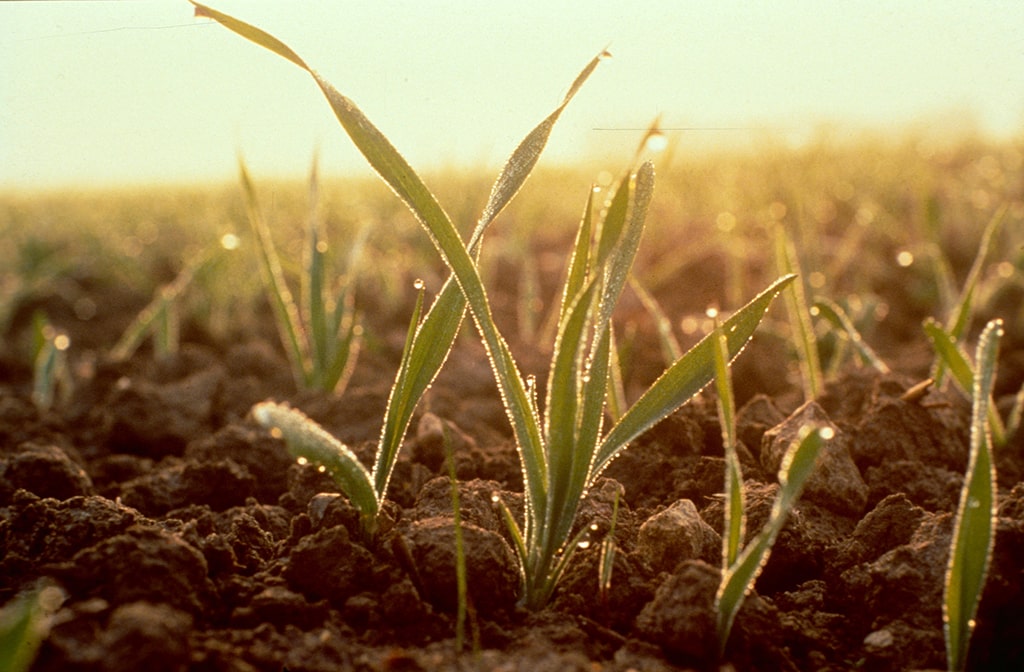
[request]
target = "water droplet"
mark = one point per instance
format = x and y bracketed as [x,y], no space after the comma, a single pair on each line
[418,284]
[656,142]
[711,312]
[905,258]
[321,468]
[301,460]
[593,527]
[230,241]
[583,545]
[276,432]
[61,342]
[495,498]
[321,246]
[827,433]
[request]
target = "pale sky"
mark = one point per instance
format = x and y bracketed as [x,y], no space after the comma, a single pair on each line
[108,93]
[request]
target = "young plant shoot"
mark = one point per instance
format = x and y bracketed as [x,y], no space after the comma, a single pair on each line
[741,565]
[561,447]
[322,334]
[974,528]
[428,342]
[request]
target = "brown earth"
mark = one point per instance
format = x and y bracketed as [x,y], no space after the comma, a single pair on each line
[185,538]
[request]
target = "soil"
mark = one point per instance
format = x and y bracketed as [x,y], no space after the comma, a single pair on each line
[184,537]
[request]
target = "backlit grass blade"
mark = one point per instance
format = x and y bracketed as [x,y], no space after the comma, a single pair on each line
[308,441]
[960,318]
[956,362]
[419,365]
[628,240]
[152,319]
[739,578]
[799,316]
[312,291]
[615,405]
[286,312]
[579,260]
[974,526]
[670,348]
[525,157]
[732,537]
[686,377]
[835,314]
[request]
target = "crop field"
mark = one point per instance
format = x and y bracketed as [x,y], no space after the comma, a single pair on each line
[753,410]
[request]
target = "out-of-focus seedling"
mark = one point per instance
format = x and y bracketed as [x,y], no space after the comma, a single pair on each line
[321,334]
[50,374]
[24,623]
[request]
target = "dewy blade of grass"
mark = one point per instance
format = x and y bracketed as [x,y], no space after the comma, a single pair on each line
[735,519]
[739,578]
[616,404]
[799,316]
[960,317]
[309,441]
[686,377]
[419,365]
[620,263]
[835,314]
[975,521]
[956,362]
[579,260]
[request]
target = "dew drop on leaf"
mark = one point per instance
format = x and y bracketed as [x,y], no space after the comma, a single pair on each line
[230,241]
[656,142]
[585,544]
[321,468]
[301,460]
[419,284]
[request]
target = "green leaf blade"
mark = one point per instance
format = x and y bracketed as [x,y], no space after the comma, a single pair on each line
[308,441]
[739,578]
[975,521]
[688,376]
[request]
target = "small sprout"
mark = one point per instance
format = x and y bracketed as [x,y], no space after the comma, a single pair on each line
[974,525]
